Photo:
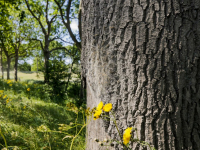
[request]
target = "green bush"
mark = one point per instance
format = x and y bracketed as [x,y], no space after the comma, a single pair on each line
[58,78]
[24,67]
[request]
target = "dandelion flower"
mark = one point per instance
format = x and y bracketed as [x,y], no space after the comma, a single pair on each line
[10,84]
[127,135]
[28,89]
[100,105]
[1,91]
[97,114]
[107,107]
[4,96]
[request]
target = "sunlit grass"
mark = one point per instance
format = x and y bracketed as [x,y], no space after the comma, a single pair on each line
[24,112]
[26,75]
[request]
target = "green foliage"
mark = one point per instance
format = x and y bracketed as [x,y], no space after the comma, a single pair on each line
[5,8]
[38,64]
[73,92]
[24,67]
[75,8]
[37,90]
[60,75]
[58,78]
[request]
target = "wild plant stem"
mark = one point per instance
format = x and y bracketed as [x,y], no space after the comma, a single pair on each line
[77,135]
[3,138]
[116,126]
[118,130]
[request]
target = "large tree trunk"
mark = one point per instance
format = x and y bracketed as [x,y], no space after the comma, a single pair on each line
[16,64]
[144,58]
[8,67]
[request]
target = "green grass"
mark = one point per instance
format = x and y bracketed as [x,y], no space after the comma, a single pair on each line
[24,114]
[31,75]
[26,75]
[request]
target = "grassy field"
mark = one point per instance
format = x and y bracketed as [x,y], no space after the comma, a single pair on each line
[26,75]
[30,121]
[30,75]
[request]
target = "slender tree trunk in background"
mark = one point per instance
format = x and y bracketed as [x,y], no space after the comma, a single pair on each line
[144,58]
[16,64]
[1,65]
[37,64]
[46,66]
[8,67]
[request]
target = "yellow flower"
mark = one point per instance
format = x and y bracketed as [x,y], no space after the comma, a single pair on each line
[9,81]
[24,107]
[97,114]
[1,91]
[28,89]
[107,107]
[127,135]
[5,96]
[7,100]
[10,84]
[100,105]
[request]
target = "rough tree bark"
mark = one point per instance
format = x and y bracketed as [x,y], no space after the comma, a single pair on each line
[143,56]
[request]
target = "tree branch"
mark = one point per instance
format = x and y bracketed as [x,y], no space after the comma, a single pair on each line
[64,41]
[60,9]
[67,24]
[52,19]
[37,18]
[23,54]
[40,43]
[78,44]
[47,5]
[79,19]
[57,48]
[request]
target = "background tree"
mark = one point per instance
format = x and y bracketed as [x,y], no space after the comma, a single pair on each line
[69,10]
[9,53]
[38,64]
[19,40]
[41,11]
[143,57]
[4,17]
